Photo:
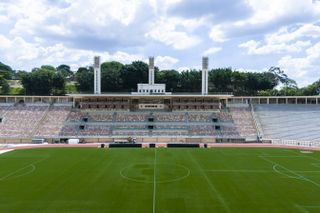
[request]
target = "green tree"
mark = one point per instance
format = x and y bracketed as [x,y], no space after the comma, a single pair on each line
[238,80]
[221,80]
[190,81]
[111,79]
[58,84]
[289,84]
[43,81]
[65,71]
[84,78]
[134,73]
[312,89]
[48,68]
[4,85]
[168,77]
[6,71]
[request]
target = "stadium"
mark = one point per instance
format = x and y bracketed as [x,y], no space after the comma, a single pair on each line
[235,154]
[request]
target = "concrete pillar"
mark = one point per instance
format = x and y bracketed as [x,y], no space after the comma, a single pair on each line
[97,75]
[151,70]
[205,65]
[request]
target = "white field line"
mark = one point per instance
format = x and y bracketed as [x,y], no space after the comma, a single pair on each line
[238,170]
[154,181]
[274,167]
[157,181]
[282,156]
[254,171]
[18,170]
[311,207]
[316,165]
[304,208]
[305,156]
[212,187]
[5,150]
[14,172]
[292,172]
[301,208]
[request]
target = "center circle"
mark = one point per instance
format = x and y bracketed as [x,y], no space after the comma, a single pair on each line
[150,173]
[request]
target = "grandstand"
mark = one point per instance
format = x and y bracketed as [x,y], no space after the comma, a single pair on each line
[153,115]
[290,122]
[231,120]
[211,118]
[207,120]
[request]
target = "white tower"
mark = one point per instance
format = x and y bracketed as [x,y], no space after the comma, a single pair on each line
[97,75]
[205,65]
[151,70]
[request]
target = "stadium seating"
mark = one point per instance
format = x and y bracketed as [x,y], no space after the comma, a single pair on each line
[102,117]
[202,130]
[64,121]
[199,117]
[243,121]
[53,121]
[130,117]
[176,117]
[75,115]
[290,122]
[21,121]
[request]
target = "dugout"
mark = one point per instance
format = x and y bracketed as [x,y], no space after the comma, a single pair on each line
[125,145]
[183,145]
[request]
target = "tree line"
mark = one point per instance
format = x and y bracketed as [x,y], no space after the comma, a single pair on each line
[118,77]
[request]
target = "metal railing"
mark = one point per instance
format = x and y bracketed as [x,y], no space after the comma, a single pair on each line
[303,143]
[256,123]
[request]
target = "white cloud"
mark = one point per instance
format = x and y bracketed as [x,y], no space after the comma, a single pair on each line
[162,5]
[100,20]
[17,49]
[256,48]
[4,42]
[21,53]
[211,51]
[3,19]
[123,57]
[72,32]
[285,40]
[165,62]
[285,35]
[122,11]
[165,31]
[266,14]
[25,55]
[180,69]
[304,70]
[217,34]
[269,10]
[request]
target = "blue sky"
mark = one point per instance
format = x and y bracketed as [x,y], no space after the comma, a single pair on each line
[247,35]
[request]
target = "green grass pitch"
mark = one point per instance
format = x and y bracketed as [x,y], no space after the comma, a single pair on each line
[159,180]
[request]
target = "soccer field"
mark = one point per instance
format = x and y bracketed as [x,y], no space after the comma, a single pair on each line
[159,180]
